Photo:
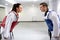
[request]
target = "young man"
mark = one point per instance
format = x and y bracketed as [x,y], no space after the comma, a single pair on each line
[51,19]
[10,21]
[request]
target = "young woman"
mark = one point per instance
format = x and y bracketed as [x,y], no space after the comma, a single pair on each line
[10,21]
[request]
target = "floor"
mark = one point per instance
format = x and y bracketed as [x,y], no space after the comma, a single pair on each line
[31,31]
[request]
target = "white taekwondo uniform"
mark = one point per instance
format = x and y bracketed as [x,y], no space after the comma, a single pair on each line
[11,21]
[52,15]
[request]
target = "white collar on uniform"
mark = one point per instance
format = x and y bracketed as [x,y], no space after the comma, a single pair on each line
[45,17]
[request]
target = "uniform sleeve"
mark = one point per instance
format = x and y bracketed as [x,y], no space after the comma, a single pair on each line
[53,16]
[8,24]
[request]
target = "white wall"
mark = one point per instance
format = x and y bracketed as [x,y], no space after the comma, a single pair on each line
[31,13]
[2,12]
[58,7]
[53,4]
[7,9]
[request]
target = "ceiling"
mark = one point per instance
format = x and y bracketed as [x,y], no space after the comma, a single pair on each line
[23,2]
[27,2]
[30,2]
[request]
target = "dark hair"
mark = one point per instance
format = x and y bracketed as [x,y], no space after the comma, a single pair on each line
[44,4]
[15,6]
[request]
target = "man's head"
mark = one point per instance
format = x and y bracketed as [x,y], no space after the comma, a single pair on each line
[17,7]
[43,7]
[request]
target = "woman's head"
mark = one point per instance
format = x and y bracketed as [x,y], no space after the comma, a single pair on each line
[17,7]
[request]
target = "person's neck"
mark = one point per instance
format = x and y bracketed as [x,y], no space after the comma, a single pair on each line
[46,10]
[17,12]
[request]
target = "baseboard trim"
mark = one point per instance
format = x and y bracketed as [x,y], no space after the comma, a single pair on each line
[31,21]
[28,21]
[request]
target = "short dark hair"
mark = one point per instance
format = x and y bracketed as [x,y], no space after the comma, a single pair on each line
[15,6]
[44,4]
